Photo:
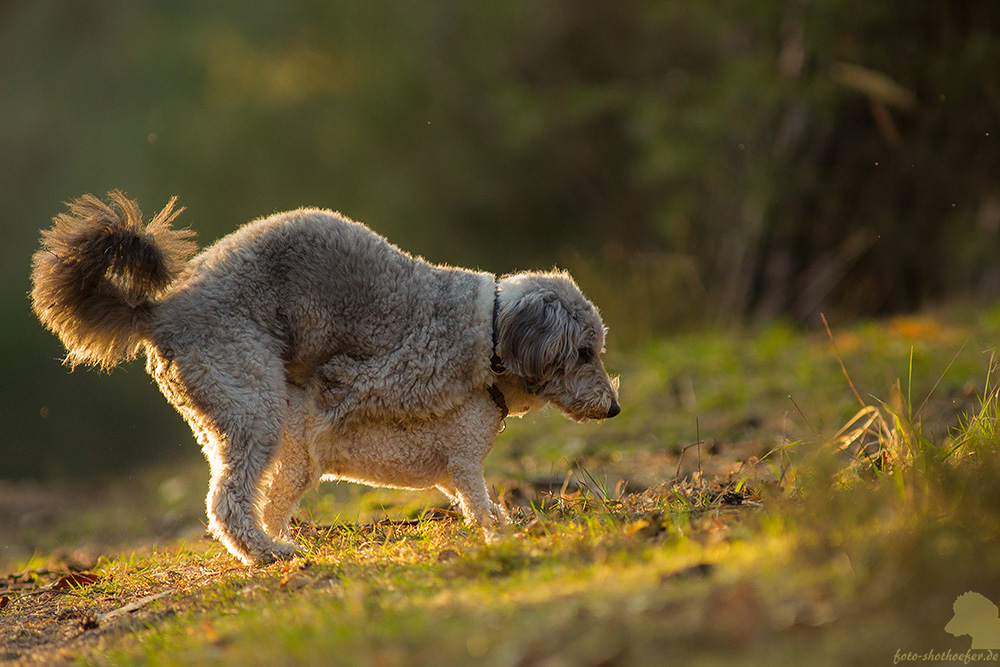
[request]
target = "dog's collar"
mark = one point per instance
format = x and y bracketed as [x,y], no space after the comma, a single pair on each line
[496,363]
[499,399]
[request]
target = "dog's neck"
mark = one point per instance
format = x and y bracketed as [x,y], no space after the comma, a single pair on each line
[516,395]
[508,391]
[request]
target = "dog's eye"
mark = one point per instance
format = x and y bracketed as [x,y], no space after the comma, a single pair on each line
[585,355]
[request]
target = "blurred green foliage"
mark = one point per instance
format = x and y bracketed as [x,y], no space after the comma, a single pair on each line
[691,162]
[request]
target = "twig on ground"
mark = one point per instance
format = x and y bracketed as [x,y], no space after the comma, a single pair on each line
[133,606]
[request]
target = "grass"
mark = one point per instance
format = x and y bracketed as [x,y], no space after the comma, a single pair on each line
[772,497]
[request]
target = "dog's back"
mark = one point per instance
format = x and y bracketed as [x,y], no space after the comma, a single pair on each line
[341,306]
[293,276]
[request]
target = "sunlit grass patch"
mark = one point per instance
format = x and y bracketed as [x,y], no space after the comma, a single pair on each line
[775,498]
[426,590]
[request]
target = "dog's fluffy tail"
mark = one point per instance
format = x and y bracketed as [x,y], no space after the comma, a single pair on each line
[98,274]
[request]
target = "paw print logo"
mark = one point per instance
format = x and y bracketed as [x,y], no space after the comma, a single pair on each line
[976,616]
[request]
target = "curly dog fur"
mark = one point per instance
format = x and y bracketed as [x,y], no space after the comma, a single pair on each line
[305,346]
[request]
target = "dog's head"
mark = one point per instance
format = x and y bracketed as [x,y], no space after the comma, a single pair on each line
[552,337]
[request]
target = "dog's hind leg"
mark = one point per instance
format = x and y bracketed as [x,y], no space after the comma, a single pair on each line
[295,472]
[243,448]
[236,408]
[284,489]
[238,462]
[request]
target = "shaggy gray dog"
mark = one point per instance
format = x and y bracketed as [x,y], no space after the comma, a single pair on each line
[305,346]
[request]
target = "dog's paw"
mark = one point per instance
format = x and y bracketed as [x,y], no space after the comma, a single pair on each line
[499,514]
[275,552]
[280,533]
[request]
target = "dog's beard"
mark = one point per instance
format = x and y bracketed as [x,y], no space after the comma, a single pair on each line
[591,402]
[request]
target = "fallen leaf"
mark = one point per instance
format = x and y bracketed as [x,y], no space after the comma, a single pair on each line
[75,580]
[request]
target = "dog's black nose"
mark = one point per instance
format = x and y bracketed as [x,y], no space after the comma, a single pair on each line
[615,409]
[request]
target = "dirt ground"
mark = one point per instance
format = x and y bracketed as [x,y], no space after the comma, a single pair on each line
[63,530]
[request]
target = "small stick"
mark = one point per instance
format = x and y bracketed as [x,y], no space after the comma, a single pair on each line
[680,459]
[132,606]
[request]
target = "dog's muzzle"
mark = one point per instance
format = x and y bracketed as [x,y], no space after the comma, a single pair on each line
[614,410]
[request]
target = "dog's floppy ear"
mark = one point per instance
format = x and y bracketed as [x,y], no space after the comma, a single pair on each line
[535,334]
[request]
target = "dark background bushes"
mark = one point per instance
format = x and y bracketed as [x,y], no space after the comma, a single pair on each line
[693,163]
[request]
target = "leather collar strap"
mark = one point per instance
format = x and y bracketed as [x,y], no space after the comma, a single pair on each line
[498,398]
[496,363]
